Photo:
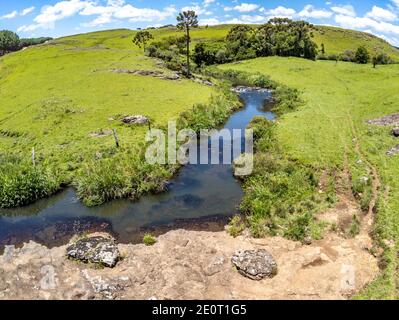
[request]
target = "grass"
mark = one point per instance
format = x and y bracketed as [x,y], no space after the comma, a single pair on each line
[338,99]
[149,240]
[54,96]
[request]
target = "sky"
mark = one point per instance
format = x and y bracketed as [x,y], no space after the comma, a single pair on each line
[56,18]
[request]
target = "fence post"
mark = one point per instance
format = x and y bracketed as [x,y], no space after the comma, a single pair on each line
[33,157]
[116,138]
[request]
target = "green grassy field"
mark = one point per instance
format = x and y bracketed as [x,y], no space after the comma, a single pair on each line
[338,100]
[54,96]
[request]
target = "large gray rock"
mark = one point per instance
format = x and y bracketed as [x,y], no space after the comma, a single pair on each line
[95,249]
[137,119]
[255,264]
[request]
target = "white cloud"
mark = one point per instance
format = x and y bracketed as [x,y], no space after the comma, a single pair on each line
[10,15]
[365,23]
[209,22]
[310,12]
[114,9]
[27,11]
[281,12]
[347,10]
[381,14]
[243,7]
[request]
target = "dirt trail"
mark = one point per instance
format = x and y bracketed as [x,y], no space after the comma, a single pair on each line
[372,171]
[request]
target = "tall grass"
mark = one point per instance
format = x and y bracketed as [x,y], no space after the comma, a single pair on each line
[21,183]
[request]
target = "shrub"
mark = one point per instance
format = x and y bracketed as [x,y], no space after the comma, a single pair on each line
[236,226]
[22,184]
[149,240]
[347,56]
[362,56]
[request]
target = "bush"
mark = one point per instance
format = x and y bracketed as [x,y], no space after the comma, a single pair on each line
[22,184]
[149,240]
[9,41]
[362,56]
[236,226]
[347,56]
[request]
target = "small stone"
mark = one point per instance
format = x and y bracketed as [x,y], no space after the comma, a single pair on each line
[255,264]
[308,240]
[95,249]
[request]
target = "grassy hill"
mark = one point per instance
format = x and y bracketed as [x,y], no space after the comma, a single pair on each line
[55,97]
[335,40]
[339,99]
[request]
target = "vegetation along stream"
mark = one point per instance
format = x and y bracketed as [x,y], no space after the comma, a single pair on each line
[199,194]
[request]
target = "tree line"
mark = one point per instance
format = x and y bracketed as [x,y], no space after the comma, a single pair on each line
[10,42]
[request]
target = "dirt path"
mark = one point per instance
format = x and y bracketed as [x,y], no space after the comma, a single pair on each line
[372,170]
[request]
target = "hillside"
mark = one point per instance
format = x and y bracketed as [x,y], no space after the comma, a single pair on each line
[64,98]
[330,131]
[336,40]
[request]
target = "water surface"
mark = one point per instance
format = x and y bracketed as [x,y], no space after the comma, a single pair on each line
[197,192]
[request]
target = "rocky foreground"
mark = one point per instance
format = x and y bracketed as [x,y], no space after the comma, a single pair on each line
[193,265]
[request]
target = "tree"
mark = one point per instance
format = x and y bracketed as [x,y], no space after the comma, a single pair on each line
[381,58]
[240,40]
[362,55]
[185,21]
[9,41]
[141,38]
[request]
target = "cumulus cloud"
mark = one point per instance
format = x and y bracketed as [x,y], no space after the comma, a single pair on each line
[381,14]
[347,10]
[243,7]
[281,12]
[311,12]
[113,10]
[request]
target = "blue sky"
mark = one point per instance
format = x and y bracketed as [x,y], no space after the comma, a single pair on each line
[32,18]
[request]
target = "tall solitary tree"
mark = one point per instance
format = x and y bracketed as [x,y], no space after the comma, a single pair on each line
[141,38]
[185,21]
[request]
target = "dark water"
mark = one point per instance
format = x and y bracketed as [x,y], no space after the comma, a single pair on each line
[199,195]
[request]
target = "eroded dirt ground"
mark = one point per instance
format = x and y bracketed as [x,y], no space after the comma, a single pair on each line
[197,265]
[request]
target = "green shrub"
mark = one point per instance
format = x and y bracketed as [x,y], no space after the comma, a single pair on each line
[22,184]
[236,226]
[354,228]
[149,240]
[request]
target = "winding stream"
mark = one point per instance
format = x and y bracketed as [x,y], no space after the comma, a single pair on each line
[199,194]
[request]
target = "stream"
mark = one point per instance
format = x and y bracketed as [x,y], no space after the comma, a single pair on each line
[200,197]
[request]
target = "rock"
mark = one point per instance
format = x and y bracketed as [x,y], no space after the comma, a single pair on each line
[389,120]
[95,249]
[255,264]
[101,134]
[137,119]
[395,132]
[172,77]
[393,151]
[308,240]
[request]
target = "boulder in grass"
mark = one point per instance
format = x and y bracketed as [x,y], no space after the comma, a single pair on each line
[96,249]
[255,264]
[395,132]
[137,119]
